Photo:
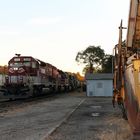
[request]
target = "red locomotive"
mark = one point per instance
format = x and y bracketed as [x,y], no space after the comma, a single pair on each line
[28,76]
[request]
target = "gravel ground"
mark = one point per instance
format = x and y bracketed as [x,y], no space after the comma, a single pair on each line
[71,116]
[95,119]
[35,120]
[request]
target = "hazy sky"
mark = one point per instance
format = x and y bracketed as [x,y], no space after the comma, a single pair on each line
[55,30]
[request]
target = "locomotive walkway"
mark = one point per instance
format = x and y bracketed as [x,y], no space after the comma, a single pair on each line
[70,116]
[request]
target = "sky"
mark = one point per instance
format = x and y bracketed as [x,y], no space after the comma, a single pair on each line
[55,30]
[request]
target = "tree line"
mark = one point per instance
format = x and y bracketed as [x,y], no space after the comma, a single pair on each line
[95,60]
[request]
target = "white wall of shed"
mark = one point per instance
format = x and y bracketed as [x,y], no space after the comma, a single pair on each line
[99,87]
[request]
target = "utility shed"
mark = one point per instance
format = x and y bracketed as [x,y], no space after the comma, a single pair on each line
[99,84]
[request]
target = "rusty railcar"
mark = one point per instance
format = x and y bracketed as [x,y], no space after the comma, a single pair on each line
[127,70]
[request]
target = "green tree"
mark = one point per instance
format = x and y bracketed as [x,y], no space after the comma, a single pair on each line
[92,57]
[107,64]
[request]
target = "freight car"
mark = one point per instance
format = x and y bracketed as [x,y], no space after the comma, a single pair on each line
[28,76]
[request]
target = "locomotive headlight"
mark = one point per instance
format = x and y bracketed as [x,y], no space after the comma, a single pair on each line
[15,68]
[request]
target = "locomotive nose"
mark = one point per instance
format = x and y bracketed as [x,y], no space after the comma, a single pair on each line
[21,70]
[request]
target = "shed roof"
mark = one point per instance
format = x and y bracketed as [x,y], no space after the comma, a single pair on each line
[99,76]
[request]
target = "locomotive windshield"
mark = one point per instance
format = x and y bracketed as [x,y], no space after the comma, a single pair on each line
[20,61]
[16,64]
[23,61]
[19,64]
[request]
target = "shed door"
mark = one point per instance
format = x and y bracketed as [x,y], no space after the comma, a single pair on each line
[99,88]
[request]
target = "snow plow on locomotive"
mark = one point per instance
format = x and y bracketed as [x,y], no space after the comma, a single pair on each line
[29,77]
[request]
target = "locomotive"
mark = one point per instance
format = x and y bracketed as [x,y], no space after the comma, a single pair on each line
[28,76]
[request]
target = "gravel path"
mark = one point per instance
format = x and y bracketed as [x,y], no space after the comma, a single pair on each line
[95,119]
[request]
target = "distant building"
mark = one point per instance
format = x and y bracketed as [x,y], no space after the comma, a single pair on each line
[100,84]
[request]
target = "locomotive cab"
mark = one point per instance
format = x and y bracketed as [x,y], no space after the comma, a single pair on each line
[18,81]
